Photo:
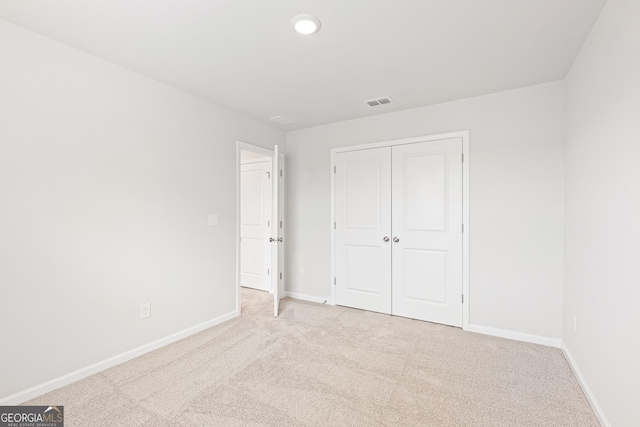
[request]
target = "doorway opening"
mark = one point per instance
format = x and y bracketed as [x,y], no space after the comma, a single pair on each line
[259,239]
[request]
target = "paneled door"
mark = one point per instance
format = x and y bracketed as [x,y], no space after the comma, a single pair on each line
[398,222]
[363,229]
[255,225]
[277,230]
[427,231]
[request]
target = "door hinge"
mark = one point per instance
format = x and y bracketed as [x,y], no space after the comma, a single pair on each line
[462,157]
[280,172]
[268,223]
[463,298]
[334,281]
[268,271]
[280,224]
[280,276]
[334,226]
[334,169]
[268,175]
[463,228]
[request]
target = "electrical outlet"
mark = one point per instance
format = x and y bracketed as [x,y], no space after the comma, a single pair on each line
[145,310]
[575,323]
[302,272]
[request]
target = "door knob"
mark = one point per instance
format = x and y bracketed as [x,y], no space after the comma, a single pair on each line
[396,240]
[385,239]
[271,239]
[280,239]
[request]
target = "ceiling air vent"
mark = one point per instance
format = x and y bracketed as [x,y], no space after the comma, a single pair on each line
[379,101]
[282,120]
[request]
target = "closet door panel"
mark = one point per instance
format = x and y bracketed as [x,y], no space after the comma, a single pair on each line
[421,264]
[424,196]
[427,224]
[363,219]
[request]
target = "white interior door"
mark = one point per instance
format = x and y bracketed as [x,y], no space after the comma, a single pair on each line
[427,231]
[277,230]
[255,224]
[363,229]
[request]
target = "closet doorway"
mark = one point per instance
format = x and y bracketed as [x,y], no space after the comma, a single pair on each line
[399,241]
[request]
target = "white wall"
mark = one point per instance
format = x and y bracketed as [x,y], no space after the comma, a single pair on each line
[516,206]
[106,180]
[602,281]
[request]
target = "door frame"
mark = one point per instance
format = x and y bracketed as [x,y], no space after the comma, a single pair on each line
[267,153]
[466,304]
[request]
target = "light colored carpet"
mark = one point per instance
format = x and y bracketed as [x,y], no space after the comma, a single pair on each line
[318,365]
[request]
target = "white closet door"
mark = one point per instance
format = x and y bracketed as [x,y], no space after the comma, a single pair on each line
[363,221]
[427,231]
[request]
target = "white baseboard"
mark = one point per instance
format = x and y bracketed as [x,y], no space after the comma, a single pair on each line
[513,335]
[33,392]
[585,387]
[304,297]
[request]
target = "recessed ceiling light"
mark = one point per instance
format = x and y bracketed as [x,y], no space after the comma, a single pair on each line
[305,24]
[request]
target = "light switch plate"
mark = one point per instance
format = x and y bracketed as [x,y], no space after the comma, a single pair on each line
[213,220]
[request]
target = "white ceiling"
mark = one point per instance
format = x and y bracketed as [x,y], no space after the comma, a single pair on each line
[243,54]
